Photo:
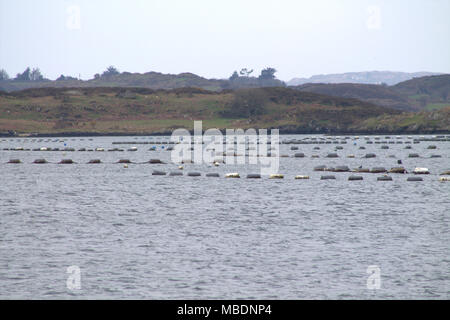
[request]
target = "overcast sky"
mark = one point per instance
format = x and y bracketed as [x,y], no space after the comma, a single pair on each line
[212,38]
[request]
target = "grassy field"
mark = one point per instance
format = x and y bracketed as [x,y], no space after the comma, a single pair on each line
[145,111]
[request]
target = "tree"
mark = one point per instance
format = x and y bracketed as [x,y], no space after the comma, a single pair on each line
[63,77]
[96,76]
[267,74]
[234,76]
[36,75]
[24,76]
[3,75]
[110,71]
[245,73]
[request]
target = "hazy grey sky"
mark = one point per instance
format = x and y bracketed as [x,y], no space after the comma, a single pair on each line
[212,38]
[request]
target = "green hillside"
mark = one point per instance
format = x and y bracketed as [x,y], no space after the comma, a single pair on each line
[107,110]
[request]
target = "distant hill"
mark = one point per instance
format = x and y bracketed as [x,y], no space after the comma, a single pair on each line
[367,77]
[428,92]
[425,93]
[152,80]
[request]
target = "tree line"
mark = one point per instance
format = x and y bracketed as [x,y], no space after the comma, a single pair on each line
[35,74]
[266,78]
[28,75]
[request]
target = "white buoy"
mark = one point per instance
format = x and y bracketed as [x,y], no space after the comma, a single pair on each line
[276,176]
[180,167]
[421,171]
[125,165]
[232,175]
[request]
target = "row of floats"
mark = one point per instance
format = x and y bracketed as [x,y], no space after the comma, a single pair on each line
[385,177]
[295,155]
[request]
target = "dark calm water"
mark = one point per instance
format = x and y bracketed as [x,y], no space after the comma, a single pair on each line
[134,235]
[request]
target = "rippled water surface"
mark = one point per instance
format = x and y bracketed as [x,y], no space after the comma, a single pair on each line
[135,235]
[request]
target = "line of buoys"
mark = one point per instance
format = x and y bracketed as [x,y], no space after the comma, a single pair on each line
[320,168]
[328,177]
[94,161]
[175,173]
[444,179]
[384,178]
[445,173]
[124,161]
[414,179]
[361,170]
[370,155]
[435,156]
[301,177]
[413,155]
[14,161]
[253,176]
[158,173]
[40,161]
[355,178]
[299,155]
[432,147]
[378,170]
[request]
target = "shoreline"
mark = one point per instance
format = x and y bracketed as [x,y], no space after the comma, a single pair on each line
[168,133]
